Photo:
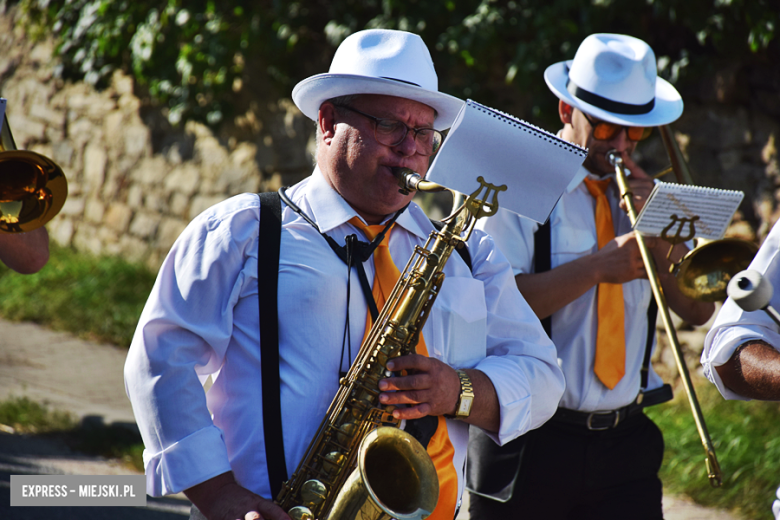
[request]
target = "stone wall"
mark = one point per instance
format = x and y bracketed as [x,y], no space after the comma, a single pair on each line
[134,183]
[130,193]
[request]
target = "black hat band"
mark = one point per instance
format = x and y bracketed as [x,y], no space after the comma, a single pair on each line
[607,104]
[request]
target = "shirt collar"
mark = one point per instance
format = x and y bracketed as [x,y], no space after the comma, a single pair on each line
[330,210]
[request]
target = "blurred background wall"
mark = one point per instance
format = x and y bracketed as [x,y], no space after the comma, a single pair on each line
[156,111]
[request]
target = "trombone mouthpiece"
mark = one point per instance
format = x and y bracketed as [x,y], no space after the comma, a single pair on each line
[614,158]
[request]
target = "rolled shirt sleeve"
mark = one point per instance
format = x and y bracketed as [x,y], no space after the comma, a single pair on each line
[182,335]
[734,327]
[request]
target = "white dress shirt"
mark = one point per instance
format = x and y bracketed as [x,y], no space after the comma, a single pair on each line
[733,326]
[201,319]
[573,235]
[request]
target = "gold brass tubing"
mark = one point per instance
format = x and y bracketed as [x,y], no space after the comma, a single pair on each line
[679,165]
[429,186]
[663,172]
[714,472]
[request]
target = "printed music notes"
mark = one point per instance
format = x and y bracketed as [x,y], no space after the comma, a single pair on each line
[676,207]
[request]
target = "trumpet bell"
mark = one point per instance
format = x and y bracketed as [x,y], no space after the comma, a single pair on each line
[33,190]
[704,273]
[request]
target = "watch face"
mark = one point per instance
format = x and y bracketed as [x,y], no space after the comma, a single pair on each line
[465,406]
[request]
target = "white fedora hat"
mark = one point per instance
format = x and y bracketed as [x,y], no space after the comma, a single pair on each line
[613,77]
[379,61]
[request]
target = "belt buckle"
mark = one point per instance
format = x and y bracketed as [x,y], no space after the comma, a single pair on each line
[589,420]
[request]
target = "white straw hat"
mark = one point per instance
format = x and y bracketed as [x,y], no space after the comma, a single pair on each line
[613,77]
[379,61]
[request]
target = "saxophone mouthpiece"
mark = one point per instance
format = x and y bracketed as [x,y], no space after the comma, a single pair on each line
[409,181]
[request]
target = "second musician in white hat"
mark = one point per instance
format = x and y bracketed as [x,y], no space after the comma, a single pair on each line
[583,274]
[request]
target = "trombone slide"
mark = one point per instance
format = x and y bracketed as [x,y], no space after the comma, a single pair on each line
[714,472]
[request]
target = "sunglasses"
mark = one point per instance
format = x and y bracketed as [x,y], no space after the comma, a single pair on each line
[604,131]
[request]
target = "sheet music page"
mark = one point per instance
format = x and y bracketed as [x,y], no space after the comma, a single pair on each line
[669,203]
[535,165]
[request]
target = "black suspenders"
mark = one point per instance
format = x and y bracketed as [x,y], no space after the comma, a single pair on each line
[542,262]
[268,247]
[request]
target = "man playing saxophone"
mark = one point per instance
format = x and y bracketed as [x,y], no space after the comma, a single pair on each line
[377,109]
[599,455]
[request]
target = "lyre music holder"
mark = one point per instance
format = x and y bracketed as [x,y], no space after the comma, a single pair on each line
[677,238]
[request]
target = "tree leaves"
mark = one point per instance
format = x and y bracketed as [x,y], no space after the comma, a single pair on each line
[195,57]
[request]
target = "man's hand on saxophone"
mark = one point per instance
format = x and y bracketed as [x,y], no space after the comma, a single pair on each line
[222,498]
[433,388]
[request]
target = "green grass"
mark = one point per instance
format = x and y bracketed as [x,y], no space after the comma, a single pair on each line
[26,416]
[93,438]
[99,298]
[746,444]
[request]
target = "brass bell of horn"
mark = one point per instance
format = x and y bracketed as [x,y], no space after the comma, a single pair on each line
[704,273]
[33,188]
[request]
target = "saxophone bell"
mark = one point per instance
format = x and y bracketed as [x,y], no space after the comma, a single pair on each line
[394,478]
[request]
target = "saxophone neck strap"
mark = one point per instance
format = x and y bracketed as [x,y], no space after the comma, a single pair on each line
[351,250]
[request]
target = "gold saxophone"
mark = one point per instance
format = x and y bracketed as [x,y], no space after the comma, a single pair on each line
[360,464]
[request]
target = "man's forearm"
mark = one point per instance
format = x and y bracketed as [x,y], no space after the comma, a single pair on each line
[753,371]
[552,290]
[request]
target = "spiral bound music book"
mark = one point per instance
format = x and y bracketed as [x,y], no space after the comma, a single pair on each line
[675,206]
[535,165]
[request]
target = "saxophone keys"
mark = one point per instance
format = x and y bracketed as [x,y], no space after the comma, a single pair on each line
[346,432]
[301,513]
[313,493]
[333,461]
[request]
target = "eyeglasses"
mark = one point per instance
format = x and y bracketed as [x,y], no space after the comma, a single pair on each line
[604,131]
[391,132]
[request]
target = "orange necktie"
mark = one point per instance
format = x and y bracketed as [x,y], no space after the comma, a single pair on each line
[610,362]
[440,447]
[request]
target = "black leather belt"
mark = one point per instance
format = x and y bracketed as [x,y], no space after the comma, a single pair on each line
[608,419]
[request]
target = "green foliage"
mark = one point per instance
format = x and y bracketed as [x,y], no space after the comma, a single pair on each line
[748,453]
[27,416]
[195,57]
[98,297]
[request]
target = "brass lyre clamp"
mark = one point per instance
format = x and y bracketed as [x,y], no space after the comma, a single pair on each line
[677,238]
[480,207]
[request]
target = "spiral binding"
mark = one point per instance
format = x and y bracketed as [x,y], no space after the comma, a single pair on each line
[528,127]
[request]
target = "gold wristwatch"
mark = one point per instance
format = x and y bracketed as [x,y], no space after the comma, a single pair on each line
[466,399]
